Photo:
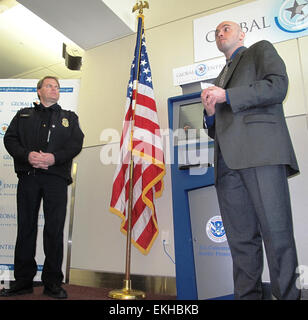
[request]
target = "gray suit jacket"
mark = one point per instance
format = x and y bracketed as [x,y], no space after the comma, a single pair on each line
[252,130]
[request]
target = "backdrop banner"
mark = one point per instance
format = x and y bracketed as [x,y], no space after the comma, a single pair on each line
[272,20]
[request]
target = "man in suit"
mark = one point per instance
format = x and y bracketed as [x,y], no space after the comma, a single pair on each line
[253,159]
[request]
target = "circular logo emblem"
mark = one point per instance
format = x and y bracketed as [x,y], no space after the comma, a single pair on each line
[3,128]
[293,16]
[215,229]
[201,70]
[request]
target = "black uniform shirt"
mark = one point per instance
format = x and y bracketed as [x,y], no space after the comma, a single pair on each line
[44,131]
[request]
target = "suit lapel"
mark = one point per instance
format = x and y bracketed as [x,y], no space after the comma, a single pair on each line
[216,82]
[233,65]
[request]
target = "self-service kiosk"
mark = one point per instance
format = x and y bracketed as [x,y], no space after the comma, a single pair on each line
[202,254]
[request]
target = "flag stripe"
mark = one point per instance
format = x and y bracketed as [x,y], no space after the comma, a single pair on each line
[145,101]
[147,124]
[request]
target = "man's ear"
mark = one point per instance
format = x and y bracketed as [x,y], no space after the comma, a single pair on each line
[242,35]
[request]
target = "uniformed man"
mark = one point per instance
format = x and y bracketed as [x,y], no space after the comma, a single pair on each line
[42,141]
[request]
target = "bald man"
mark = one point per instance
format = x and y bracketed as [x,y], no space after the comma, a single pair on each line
[254,157]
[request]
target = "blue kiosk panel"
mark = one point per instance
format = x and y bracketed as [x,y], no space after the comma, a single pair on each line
[191,169]
[182,182]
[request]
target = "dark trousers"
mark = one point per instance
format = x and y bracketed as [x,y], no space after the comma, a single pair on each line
[30,191]
[255,207]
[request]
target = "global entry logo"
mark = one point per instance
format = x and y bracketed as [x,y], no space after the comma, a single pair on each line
[293,16]
[3,128]
[201,69]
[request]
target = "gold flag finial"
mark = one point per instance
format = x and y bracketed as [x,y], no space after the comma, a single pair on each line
[142,5]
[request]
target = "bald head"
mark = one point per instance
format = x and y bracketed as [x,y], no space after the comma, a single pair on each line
[229,37]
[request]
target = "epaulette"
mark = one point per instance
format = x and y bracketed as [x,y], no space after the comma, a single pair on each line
[25,112]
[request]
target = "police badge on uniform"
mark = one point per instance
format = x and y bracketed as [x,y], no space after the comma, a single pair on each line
[65,122]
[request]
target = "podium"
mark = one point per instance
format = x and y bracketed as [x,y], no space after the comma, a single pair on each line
[202,254]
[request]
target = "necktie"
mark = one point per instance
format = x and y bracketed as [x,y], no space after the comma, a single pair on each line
[223,76]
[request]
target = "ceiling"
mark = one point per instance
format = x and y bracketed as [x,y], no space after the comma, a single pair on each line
[30,49]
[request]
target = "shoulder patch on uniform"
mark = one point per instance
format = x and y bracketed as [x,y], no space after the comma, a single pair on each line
[25,112]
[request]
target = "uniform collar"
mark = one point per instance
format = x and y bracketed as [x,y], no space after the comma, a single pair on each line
[41,107]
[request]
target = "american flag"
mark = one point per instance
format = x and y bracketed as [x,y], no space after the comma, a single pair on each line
[141,136]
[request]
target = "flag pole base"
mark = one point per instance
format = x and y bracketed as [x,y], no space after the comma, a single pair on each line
[127,293]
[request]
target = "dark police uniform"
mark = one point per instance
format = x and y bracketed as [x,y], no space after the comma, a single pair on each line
[52,130]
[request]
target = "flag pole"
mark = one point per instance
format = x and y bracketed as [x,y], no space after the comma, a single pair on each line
[127,293]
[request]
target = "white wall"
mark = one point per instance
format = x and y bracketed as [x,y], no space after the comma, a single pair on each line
[97,243]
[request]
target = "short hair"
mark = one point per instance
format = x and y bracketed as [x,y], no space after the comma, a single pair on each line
[40,83]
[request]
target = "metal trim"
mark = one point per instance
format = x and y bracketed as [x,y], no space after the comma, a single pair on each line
[71,220]
[150,284]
